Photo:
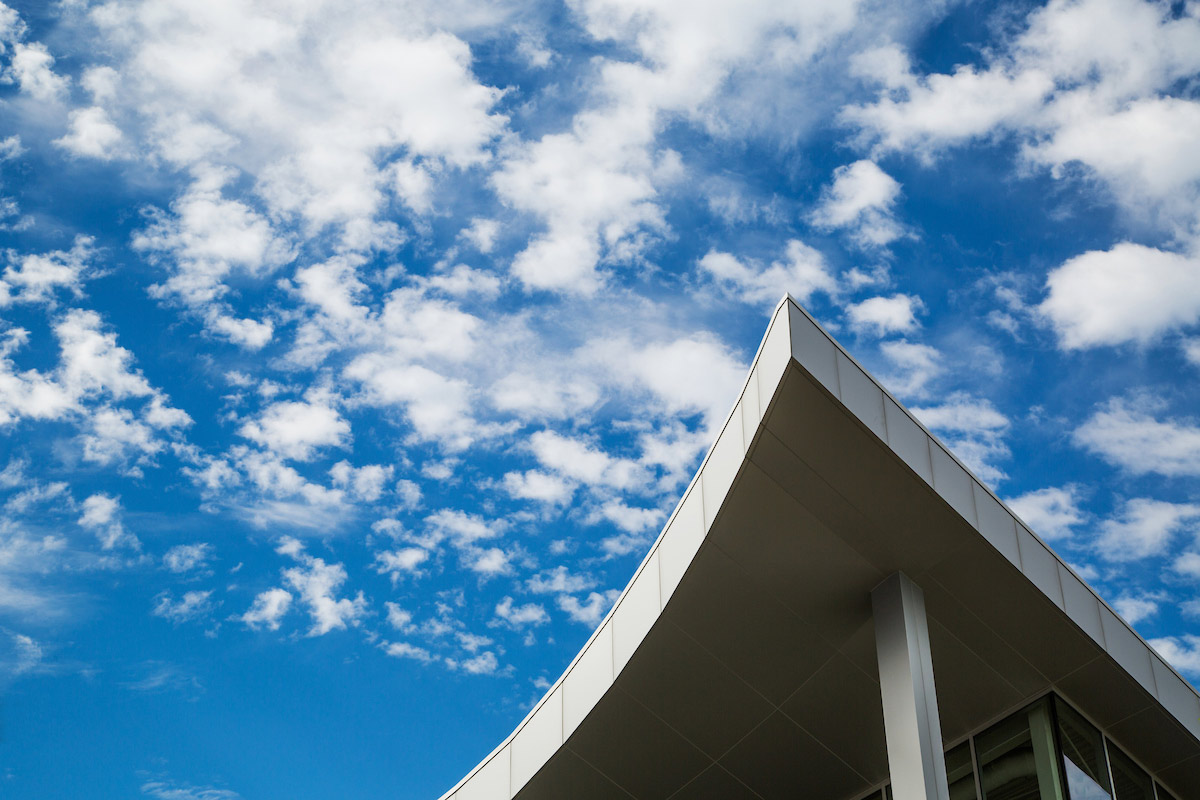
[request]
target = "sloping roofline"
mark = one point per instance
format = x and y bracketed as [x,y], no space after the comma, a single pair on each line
[793,335]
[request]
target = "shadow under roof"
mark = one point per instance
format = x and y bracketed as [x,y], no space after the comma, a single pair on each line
[740,660]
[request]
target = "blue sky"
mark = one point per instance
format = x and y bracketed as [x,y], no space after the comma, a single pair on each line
[352,354]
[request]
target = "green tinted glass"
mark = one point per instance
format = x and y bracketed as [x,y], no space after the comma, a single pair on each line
[1130,782]
[1083,756]
[1017,758]
[960,774]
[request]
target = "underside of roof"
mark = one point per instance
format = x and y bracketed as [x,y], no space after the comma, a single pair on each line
[740,661]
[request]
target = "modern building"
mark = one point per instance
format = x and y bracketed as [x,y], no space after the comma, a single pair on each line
[838,610]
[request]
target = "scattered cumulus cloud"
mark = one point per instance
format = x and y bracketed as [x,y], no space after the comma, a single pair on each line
[1052,513]
[1144,527]
[801,273]
[860,201]
[882,316]
[1127,433]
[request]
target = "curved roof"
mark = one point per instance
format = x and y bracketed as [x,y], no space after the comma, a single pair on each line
[739,661]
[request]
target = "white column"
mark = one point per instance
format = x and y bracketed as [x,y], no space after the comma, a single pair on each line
[910,713]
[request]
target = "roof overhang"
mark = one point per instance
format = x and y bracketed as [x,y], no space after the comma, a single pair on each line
[740,660]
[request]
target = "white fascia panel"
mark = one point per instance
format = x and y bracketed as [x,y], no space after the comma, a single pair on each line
[537,741]
[635,614]
[1039,565]
[589,679]
[1127,650]
[1175,695]
[908,440]
[490,782]
[814,350]
[751,414]
[953,483]
[679,544]
[721,467]
[861,395]
[1081,604]
[774,355]
[997,525]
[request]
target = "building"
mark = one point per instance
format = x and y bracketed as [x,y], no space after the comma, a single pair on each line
[837,609]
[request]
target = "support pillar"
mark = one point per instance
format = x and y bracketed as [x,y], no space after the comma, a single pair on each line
[910,713]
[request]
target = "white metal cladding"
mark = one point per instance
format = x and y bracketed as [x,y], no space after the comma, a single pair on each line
[794,335]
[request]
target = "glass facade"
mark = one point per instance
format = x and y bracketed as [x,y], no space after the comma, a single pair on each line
[1045,751]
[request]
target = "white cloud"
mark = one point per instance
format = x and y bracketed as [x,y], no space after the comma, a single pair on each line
[33,68]
[36,276]
[802,272]
[485,663]
[974,431]
[1125,434]
[860,200]
[1181,652]
[249,333]
[482,233]
[521,616]
[1136,608]
[92,134]
[439,408]
[1144,528]
[590,610]
[192,605]
[1188,564]
[316,582]
[1191,350]
[102,515]
[594,189]
[917,365]
[537,485]
[558,580]
[596,186]
[268,609]
[397,617]
[161,790]
[488,561]
[322,105]
[187,557]
[260,486]
[19,655]
[367,483]
[881,316]
[1085,89]
[116,436]
[1051,512]
[92,362]
[463,282]
[407,650]
[631,519]
[462,528]
[536,395]
[398,563]
[688,375]
[297,429]
[1129,293]
[580,461]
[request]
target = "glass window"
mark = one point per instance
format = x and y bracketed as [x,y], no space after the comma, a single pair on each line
[1083,756]
[960,774]
[1017,758]
[1130,782]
